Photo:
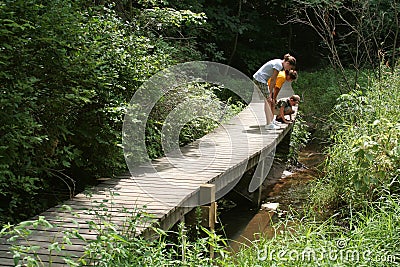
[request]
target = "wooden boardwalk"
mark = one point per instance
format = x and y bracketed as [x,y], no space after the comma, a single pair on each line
[219,158]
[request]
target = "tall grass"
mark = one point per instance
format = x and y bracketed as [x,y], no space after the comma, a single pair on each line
[363,164]
[318,91]
[372,238]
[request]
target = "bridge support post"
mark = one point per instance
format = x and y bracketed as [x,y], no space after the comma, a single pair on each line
[261,177]
[207,196]
[208,211]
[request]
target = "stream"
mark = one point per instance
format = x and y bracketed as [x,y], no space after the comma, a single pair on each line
[241,222]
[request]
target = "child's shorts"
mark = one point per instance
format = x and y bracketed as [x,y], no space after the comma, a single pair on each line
[263,88]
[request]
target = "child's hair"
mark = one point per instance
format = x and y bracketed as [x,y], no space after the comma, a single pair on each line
[292,74]
[295,98]
[290,59]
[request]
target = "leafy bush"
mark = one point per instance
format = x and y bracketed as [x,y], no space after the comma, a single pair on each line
[299,137]
[197,110]
[66,76]
[363,163]
[318,91]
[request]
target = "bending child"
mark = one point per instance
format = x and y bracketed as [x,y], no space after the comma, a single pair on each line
[283,76]
[284,107]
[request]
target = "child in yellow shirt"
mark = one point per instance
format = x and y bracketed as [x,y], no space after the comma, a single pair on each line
[283,76]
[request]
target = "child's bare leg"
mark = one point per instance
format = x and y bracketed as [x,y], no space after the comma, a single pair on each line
[272,104]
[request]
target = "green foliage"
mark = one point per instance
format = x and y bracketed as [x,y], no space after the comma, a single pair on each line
[248,32]
[320,91]
[370,237]
[372,240]
[359,34]
[116,247]
[197,111]
[26,251]
[116,244]
[299,137]
[363,163]
[66,77]
[176,26]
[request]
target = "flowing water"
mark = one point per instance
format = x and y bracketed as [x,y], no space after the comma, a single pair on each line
[242,222]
